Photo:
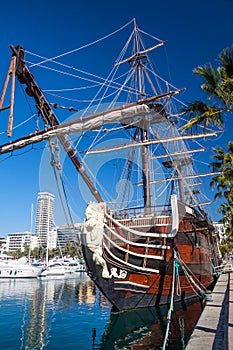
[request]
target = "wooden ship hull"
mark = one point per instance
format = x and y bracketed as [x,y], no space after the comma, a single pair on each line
[137,270]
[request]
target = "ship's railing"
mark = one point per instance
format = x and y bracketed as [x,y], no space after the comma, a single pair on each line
[126,264]
[137,242]
[130,237]
[134,217]
[134,248]
[132,254]
[145,221]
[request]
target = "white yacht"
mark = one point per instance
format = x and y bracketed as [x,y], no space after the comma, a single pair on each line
[62,266]
[72,265]
[54,270]
[19,268]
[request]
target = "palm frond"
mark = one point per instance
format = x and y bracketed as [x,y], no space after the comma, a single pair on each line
[226,61]
[210,76]
[218,84]
[201,113]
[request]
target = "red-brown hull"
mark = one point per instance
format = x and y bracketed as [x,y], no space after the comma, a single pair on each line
[141,269]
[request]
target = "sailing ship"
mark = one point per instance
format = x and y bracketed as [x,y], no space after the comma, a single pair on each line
[152,232]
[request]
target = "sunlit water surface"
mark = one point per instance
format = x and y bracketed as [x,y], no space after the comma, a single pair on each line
[71,314]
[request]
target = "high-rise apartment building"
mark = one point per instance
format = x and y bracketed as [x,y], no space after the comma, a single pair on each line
[44,216]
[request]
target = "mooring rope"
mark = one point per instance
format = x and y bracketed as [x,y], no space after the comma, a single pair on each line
[200,289]
[171,302]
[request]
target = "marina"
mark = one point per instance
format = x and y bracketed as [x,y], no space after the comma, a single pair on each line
[145,231]
[147,271]
[38,314]
[46,314]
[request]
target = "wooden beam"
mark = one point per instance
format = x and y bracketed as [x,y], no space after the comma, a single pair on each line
[10,121]
[11,72]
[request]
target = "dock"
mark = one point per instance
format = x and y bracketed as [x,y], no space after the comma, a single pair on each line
[214,329]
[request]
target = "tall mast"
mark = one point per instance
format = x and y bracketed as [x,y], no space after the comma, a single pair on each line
[25,77]
[144,130]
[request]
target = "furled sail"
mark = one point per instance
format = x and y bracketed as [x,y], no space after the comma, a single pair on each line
[137,113]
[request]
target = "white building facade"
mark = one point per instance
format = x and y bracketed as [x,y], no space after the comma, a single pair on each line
[220,230]
[52,239]
[17,240]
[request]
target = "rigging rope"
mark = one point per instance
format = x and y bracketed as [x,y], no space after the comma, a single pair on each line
[103,82]
[178,287]
[82,100]
[171,302]
[153,37]
[182,336]
[56,165]
[202,291]
[81,47]
[112,73]
[71,109]
[53,164]
[20,124]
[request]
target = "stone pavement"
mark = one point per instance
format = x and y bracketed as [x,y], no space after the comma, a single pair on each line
[214,329]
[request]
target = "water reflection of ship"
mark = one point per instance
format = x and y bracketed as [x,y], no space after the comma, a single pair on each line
[86,292]
[145,328]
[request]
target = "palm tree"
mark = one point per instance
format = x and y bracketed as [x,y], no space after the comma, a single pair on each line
[224,183]
[67,248]
[224,165]
[72,249]
[218,84]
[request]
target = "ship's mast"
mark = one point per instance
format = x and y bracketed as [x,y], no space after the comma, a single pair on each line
[138,59]
[144,130]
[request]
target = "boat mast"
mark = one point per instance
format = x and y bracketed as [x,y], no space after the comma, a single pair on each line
[25,77]
[144,130]
[138,59]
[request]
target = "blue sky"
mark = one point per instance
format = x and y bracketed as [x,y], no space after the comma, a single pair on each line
[195,31]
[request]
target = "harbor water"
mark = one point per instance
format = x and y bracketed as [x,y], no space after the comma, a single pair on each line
[69,313]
